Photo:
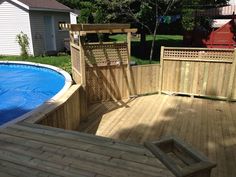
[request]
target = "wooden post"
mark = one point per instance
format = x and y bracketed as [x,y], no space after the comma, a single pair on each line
[130,84]
[82,61]
[72,39]
[83,93]
[161,70]
[231,79]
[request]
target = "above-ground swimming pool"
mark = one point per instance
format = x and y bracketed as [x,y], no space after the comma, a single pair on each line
[24,86]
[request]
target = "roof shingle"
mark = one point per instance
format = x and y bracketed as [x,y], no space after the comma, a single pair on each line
[45,4]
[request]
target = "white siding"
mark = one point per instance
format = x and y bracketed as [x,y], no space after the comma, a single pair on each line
[61,35]
[38,28]
[73,18]
[13,20]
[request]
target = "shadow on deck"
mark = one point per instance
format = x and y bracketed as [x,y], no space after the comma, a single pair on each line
[207,125]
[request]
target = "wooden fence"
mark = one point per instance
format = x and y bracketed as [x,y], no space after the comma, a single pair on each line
[198,72]
[103,69]
[189,71]
[106,83]
[145,79]
[113,83]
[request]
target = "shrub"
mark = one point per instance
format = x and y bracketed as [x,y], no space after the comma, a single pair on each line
[23,42]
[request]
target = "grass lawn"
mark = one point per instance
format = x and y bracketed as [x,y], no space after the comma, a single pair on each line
[141,55]
[58,61]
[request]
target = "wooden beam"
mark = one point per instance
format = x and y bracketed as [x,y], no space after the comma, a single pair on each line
[83,92]
[95,27]
[102,28]
[83,33]
[130,83]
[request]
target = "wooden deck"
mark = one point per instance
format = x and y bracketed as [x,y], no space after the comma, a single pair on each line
[207,125]
[30,150]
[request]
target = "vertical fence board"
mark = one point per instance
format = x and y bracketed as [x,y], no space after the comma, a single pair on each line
[195,71]
[202,72]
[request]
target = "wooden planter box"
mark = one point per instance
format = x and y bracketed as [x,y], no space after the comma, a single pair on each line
[180,159]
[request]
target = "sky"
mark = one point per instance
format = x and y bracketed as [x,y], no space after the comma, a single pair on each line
[232,1]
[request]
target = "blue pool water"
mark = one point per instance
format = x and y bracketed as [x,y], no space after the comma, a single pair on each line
[25,87]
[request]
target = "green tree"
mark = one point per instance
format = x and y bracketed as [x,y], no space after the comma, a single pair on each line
[141,13]
[189,20]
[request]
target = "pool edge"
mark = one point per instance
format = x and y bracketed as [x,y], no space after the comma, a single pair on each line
[68,84]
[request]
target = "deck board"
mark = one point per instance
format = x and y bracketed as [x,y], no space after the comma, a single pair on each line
[36,150]
[207,125]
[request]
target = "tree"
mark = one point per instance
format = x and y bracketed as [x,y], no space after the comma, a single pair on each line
[189,20]
[142,13]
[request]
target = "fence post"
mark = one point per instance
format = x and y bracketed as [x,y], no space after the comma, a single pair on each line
[161,70]
[231,79]
[83,93]
[130,84]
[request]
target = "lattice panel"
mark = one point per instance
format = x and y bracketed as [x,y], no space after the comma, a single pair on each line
[75,58]
[201,54]
[106,54]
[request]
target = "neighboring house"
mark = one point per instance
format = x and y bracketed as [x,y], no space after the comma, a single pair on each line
[223,28]
[39,19]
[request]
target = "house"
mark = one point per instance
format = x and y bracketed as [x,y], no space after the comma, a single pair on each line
[222,37]
[39,19]
[222,30]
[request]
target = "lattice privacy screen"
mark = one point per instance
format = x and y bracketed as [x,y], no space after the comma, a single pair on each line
[221,55]
[75,58]
[106,54]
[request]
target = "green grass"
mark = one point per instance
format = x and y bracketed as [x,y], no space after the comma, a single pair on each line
[141,54]
[58,61]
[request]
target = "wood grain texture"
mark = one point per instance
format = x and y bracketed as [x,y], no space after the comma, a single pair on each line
[35,150]
[198,72]
[116,83]
[64,113]
[207,125]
